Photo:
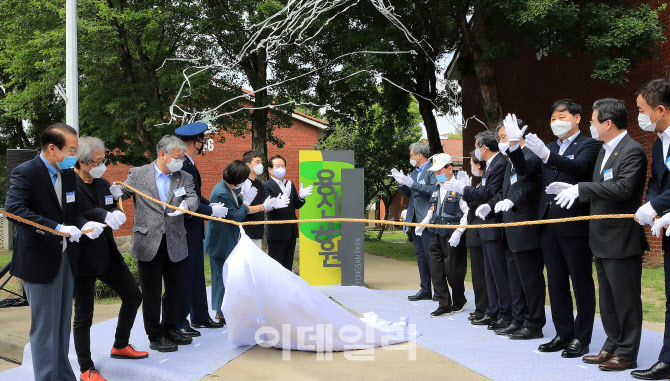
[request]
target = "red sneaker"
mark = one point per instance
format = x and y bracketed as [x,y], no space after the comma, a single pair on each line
[91,375]
[128,352]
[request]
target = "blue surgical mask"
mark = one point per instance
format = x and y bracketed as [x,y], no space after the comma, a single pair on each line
[441,178]
[68,162]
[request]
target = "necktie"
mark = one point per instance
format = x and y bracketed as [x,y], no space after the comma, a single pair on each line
[58,186]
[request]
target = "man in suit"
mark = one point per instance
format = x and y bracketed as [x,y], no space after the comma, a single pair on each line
[518,200]
[618,244]
[194,300]
[498,314]
[255,163]
[653,103]
[418,188]
[159,239]
[474,244]
[565,246]
[42,190]
[100,259]
[281,238]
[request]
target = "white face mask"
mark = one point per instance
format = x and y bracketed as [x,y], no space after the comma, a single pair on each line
[503,148]
[478,154]
[476,173]
[175,165]
[279,172]
[98,171]
[644,121]
[413,162]
[258,169]
[594,132]
[560,128]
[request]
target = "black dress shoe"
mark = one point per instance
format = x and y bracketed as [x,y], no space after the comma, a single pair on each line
[459,307]
[208,324]
[188,331]
[486,320]
[527,334]
[555,345]
[419,296]
[658,371]
[575,349]
[178,338]
[498,324]
[441,311]
[507,330]
[163,345]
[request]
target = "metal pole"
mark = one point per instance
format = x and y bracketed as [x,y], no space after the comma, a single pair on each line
[71,66]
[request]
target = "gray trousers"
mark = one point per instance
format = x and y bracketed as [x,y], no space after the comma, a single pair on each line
[50,321]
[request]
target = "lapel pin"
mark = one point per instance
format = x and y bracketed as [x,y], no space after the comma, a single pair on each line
[616,153]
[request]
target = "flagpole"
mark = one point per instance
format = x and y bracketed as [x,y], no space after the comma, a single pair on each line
[71,65]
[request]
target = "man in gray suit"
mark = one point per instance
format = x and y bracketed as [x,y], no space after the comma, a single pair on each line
[159,239]
[618,244]
[418,187]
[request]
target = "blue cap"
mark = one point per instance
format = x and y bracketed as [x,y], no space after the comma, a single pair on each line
[192,130]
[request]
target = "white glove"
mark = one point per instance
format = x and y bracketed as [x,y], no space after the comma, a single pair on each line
[280,202]
[245,186]
[419,231]
[249,195]
[111,221]
[116,191]
[218,210]
[514,134]
[97,229]
[645,214]
[406,181]
[455,186]
[537,146]
[120,217]
[304,192]
[396,174]
[567,197]
[557,187]
[455,238]
[659,224]
[73,231]
[482,211]
[503,206]
[426,220]
[464,178]
[182,205]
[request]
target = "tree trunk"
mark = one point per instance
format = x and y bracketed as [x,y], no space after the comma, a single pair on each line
[255,68]
[387,200]
[473,42]
[429,122]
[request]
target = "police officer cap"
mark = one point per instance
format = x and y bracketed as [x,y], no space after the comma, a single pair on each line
[191,131]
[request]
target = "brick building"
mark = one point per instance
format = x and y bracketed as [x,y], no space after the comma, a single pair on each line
[304,133]
[530,83]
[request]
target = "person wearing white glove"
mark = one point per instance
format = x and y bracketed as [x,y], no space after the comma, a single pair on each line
[175,213]
[304,192]
[418,188]
[73,231]
[660,224]
[518,200]
[116,191]
[98,257]
[260,204]
[447,254]
[218,210]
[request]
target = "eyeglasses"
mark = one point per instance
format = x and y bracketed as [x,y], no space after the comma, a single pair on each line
[98,163]
[73,151]
[177,158]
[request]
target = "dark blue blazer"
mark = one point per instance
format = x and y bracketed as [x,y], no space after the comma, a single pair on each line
[492,182]
[658,190]
[195,228]
[283,232]
[37,254]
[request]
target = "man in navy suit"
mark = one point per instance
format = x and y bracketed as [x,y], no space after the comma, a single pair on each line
[42,190]
[653,102]
[565,246]
[418,188]
[195,292]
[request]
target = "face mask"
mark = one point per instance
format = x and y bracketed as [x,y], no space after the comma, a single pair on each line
[478,154]
[175,165]
[202,147]
[476,173]
[644,121]
[258,169]
[98,171]
[413,162]
[594,132]
[503,148]
[441,178]
[279,172]
[560,128]
[68,162]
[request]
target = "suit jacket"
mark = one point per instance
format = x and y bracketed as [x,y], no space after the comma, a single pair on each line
[220,237]
[525,194]
[37,254]
[195,226]
[256,231]
[283,232]
[472,235]
[419,194]
[617,238]
[95,257]
[151,219]
[658,190]
[492,181]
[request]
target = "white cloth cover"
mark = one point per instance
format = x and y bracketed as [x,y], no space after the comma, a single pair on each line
[268,305]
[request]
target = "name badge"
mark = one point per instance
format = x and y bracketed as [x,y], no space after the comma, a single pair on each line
[179,192]
[421,181]
[512,179]
[571,157]
[484,182]
[667,163]
[434,194]
[608,174]
[69,197]
[109,200]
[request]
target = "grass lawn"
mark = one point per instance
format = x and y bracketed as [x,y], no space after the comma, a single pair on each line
[653,279]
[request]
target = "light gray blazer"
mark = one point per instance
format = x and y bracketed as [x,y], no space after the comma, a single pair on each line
[151,219]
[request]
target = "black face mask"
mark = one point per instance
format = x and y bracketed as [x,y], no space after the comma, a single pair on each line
[202,146]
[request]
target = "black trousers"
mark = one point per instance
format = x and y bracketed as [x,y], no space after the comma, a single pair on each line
[528,289]
[620,300]
[122,282]
[152,276]
[566,259]
[665,351]
[479,280]
[283,252]
[448,266]
[497,280]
